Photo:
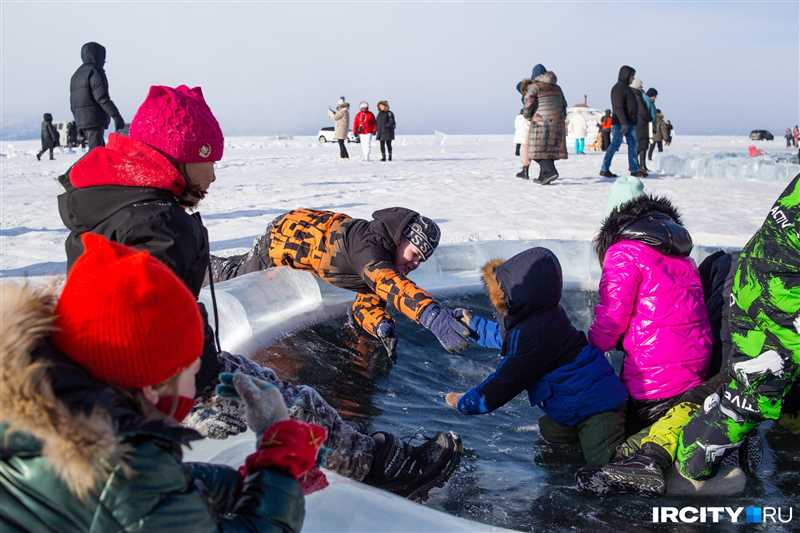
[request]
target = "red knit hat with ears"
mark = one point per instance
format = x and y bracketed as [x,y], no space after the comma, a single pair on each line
[179,123]
[125,317]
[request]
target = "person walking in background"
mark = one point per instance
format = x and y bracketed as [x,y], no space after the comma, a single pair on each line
[789,137]
[546,108]
[521,130]
[341,117]
[659,132]
[385,124]
[625,108]
[605,130]
[364,127]
[522,89]
[89,100]
[668,138]
[796,135]
[642,125]
[577,128]
[72,135]
[49,136]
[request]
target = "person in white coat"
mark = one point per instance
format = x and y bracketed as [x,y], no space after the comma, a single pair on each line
[578,128]
[521,128]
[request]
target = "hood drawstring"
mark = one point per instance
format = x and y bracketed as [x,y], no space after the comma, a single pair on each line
[213,295]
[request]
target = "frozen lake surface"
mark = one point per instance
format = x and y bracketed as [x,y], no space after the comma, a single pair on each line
[466,183]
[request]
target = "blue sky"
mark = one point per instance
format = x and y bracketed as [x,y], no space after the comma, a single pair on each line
[720,67]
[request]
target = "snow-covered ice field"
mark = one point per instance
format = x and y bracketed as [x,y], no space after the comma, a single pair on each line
[466,183]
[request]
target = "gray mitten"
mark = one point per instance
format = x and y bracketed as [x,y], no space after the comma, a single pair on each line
[263,402]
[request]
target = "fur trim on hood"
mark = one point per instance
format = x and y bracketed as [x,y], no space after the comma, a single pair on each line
[383,103]
[493,289]
[81,448]
[547,77]
[627,213]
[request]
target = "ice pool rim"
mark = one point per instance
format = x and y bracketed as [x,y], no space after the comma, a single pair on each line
[257,308]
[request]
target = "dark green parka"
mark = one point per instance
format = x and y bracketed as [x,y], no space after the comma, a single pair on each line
[77,455]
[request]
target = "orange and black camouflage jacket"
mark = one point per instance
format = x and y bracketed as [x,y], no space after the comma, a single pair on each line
[353,254]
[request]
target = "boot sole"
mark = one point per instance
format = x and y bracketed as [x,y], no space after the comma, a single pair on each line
[548,180]
[614,481]
[421,492]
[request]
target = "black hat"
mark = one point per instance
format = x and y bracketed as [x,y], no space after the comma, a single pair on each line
[423,233]
[651,92]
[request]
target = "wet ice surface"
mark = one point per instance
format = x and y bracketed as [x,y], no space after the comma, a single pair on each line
[508,477]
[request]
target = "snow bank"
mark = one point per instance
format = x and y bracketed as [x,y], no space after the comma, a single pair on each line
[345,505]
[729,166]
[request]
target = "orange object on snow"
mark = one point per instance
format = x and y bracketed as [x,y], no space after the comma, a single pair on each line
[752,151]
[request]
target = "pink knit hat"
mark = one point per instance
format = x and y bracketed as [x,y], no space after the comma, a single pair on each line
[179,123]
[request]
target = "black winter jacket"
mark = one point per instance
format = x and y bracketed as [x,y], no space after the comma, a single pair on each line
[88,90]
[149,219]
[49,133]
[623,100]
[386,125]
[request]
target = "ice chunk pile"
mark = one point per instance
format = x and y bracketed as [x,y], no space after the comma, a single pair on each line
[729,165]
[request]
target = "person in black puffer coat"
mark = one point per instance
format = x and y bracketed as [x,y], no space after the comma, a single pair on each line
[624,111]
[386,126]
[642,125]
[49,136]
[89,100]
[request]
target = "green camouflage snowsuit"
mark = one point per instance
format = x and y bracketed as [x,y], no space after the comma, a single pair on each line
[765,338]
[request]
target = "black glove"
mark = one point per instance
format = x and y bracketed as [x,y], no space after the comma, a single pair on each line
[446,326]
[385,331]
[119,123]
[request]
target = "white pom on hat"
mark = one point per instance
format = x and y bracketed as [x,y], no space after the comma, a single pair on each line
[363,105]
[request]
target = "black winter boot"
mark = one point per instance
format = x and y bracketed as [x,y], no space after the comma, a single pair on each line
[607,174]
[642,474]
[523,173]
[412,471]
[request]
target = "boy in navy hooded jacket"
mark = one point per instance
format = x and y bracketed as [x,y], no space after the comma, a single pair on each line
[543,353]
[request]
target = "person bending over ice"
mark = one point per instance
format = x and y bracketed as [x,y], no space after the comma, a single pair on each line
[543,353]
[370,257]
[136,191]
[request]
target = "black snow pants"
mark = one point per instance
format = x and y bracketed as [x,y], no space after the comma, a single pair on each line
[94,137]
[652,146]
[387,144]
[342,149]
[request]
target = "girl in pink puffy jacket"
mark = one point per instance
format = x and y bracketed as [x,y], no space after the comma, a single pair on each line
[651,302]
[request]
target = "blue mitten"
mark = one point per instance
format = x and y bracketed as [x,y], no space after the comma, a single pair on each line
[451,332]
[386,334]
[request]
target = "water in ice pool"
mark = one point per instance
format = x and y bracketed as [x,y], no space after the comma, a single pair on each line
[509,477]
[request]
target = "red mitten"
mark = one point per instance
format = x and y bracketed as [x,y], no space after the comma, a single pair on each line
[312,481]
[288,445]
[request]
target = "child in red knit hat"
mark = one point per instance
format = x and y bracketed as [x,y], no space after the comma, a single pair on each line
[90,393]
[135,191]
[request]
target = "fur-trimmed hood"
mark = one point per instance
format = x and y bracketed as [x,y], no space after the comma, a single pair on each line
[650,219]
[528,282]
[548,77]
[51,407]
